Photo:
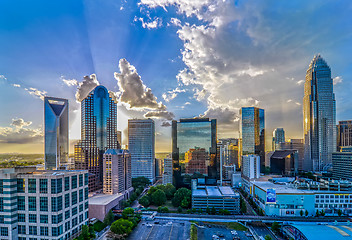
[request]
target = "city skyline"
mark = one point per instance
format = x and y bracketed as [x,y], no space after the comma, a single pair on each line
[205,58]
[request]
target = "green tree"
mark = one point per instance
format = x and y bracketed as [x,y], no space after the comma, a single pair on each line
[181,194]
[213,211]
[301,212]
[275,226]
[85,233]
[339,212]
[179,209]
[267,237]
[144,201]
[243,207]
[109,218]
[140,182]
[161,187]
[128,212]
[317,214]
[208,210]
[121,226]
[226,212]
[125,204]
[306,213]
[170,191]
[158,197]
[185,203]
[151,190]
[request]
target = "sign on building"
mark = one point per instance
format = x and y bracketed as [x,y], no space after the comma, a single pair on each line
[271,195]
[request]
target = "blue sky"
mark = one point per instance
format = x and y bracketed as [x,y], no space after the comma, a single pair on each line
[199,57]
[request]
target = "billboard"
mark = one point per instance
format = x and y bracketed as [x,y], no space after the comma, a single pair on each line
[270,195]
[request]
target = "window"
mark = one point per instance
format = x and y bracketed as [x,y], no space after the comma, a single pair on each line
[54,204]
[86,193]
[1,204]
[59,203]
[67,183]
[86,205]
[53,186]
[1,186]
[74,198]
[54,219]
[21,229]
[81,208]
[44,219]
[20,185]
[32,204]
[2,219]
[81,218]
[59,185]
[67,214]
[74,211]
[21,203]
[33,230]
[67,226]
[43,185]
[32,218]
[74,182]
[81,195]
[67,200]
[59,218]
[74,222]
[43,204]
[86,179]
[32,183]
[81,180]
[44,231]
[4,231]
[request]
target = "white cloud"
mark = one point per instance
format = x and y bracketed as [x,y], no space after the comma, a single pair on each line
[170,95]
[3,77]
[155,23]
[19,134]
[35,92]
[86,86]
[337,80]
[300,82]
[175,22]
[69,82]
[20,123]
[16,85]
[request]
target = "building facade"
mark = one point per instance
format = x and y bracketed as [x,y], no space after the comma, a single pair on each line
[344,134]
[342,165]
[252,133]
[42,204]
[141,145]
[116,171]
[56,132]
[189,136]
[250,166]
[98,133]
[319,116]
[294,144]
[284,162]
[167,174]
[227,148]
[278,137]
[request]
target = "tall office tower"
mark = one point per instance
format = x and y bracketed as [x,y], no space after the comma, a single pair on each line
[250,166]
[56,132]
[167,175]
[194,150]
[98,133]
[294,144]
[117,171]
[252,133]
[344,134]
[141,144]
[229,149]
[319,116]
[38,204]
[278,137]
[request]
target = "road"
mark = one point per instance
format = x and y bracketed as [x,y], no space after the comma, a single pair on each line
[250,209]
[262,231]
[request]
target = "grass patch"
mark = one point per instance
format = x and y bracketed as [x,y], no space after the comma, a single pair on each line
[99,226]
[194,232]
[232,225]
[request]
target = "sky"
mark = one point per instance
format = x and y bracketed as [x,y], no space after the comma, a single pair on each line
[168,59]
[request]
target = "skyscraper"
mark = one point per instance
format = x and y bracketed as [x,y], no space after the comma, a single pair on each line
[141,144]
[98,133]
[56,132]
[252,133]
[319,116]
[344,134]
[278,137]
[194,150]
[294,144]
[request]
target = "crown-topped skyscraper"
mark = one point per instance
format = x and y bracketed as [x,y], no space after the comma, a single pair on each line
[319,116]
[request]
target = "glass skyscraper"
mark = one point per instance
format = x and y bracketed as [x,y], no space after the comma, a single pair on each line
[141,144]
[194,150]
[56,132]
[319,116]
[252,133]
[98,133]
[278,137]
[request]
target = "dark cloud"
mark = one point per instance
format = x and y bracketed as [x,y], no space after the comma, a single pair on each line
[86,86]
[166,124]
[160,114]
[132,89]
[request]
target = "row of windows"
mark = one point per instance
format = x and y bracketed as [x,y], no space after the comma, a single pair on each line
[334,196]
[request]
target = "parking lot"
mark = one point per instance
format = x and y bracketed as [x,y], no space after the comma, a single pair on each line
[209,231]
[161,230]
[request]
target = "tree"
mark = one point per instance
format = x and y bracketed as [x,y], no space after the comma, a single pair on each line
[275,226]
[226,212]
[144,201]
[267,237]
[158,197]
[339,212]
[85,233]
[109,218]
[140,182]
[317,213]
[301,212]
[208,210]
[151,190]
[181,194]
[179,209]
[185,203]
[127,212]
[125,204]
[322,213]
[306,213]
[121,226]
[169,191]
[243,207]
[213,211]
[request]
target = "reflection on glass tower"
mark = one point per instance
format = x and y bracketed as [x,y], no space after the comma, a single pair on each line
[278,137]
[319,116]
[194,150]
[98,133]
[56,132]
[252,133]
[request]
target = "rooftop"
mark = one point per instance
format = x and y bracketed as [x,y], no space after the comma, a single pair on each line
[213,191]
[103,199]
[340,231]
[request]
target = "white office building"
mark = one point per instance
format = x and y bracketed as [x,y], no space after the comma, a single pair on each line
[167,175]
[42,204]
[251,166]
[141,145]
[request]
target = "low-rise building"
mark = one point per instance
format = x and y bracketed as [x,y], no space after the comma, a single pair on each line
[42,204]
[342,165]
[221,198]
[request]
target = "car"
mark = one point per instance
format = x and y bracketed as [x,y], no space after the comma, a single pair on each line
[234,232]
[215,237]
[156,222]
[220,234]
[249,235]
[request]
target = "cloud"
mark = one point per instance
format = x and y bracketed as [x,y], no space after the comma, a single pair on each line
[228,116]
[170,95]
[16,85]
[35,92]
[19,134]
[69,82]
[337,80]
[156,23]
[160,114]
[20,123]
[174,22]
[2,77]
[133,91]
[166,124]
[300,82]
[86,86]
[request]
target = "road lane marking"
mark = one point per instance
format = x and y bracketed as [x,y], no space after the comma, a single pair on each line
[172,225]
[150,231]
[343,233]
